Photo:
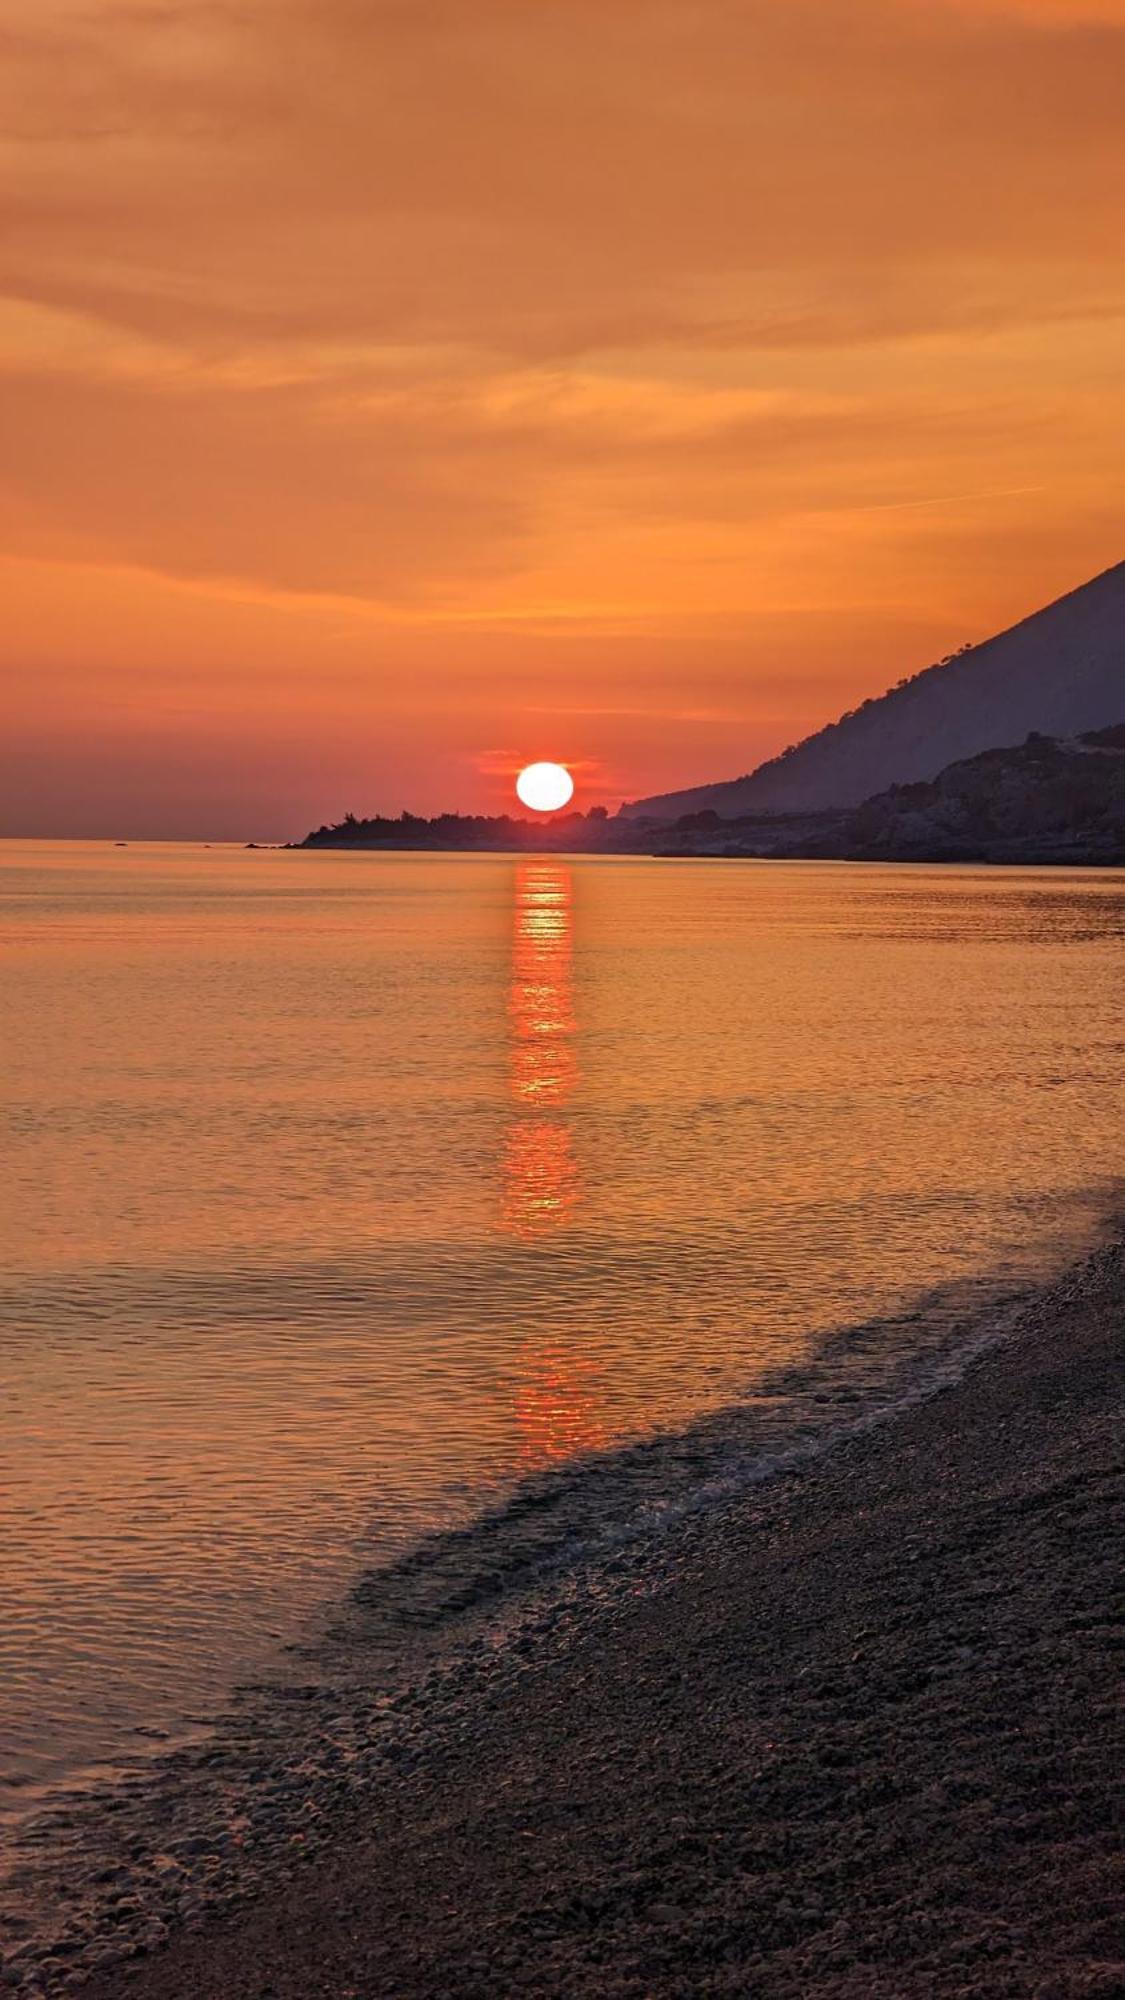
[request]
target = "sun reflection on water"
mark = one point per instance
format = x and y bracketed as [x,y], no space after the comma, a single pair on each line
[540,1171]
[557,1404]
[556,1400]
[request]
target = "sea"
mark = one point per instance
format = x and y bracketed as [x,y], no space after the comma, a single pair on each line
[345,1194]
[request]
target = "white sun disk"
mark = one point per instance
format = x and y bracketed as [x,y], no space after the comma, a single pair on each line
[545,787]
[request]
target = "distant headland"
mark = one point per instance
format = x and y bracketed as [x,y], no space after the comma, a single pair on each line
[1044,801]
[570,832]
[1010,751]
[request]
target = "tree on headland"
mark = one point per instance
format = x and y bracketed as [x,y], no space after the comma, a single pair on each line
[466,830]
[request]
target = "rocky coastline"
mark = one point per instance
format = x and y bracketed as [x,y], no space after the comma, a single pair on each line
[1043,803]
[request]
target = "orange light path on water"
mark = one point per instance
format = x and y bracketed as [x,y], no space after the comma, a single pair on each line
[556,1402]
[541,1176]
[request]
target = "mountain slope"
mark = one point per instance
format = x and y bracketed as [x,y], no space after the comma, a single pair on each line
[1059,672]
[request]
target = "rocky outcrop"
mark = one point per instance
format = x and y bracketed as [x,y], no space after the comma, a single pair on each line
[1045,799]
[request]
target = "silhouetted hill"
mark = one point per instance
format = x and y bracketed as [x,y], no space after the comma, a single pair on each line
[1045,800]
[1059,672]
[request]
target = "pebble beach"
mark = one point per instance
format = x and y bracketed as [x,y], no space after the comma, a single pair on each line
[845,1731]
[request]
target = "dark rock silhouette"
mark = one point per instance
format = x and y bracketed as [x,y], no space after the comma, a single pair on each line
[1046,797]
[1044,800]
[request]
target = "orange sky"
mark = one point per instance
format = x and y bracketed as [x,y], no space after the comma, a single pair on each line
[396,390]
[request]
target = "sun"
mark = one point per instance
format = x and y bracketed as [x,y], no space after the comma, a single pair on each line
[545,787]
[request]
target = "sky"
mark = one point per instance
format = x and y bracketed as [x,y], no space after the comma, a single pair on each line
[396,391]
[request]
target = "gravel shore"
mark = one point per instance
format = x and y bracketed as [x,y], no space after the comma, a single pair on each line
[852,1736]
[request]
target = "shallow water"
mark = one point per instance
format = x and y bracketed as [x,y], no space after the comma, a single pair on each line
[345,1190]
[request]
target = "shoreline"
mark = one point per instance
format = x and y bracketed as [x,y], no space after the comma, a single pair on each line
[511,1787]
[1003,856]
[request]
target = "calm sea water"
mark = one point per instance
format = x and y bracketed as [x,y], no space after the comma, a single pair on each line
[343,1190]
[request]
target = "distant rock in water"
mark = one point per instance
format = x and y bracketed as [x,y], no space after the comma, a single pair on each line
[1059,672]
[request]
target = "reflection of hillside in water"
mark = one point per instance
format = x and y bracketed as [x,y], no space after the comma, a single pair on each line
[556,1402]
